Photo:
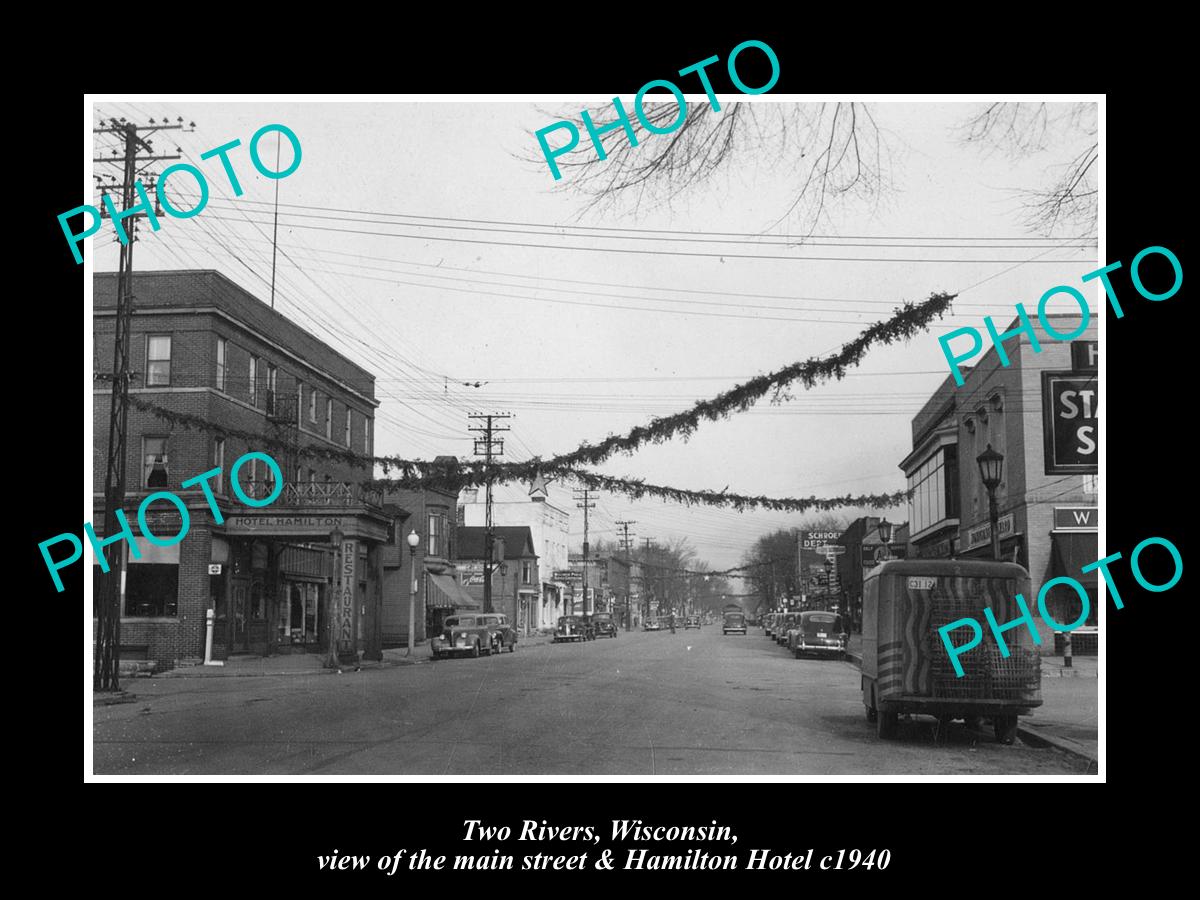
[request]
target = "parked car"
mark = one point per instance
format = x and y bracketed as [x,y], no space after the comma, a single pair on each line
[572,628]
[818,632]
[602,625]
[692,622]
[769,624]
[651,625]
[474,634]
[734,623]
[786,623]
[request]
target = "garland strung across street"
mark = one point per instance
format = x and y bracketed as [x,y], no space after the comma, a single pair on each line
[909,319]
[424,474]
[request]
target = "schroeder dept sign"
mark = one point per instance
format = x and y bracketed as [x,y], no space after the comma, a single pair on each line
[1069,403]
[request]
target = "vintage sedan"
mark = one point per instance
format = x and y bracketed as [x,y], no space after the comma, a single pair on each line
[818,632]
[602,625]
[692,622]
[785,623]
[573,628]
[474,634]
[651,625]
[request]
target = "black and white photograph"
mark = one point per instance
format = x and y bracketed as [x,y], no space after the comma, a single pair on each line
[703,433]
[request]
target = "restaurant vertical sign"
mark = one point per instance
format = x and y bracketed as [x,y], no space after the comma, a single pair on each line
[346,601]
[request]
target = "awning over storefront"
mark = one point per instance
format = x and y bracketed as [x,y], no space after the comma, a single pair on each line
[1073,551]
[446,593]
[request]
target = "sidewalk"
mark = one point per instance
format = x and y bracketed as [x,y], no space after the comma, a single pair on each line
[1069,714]
[314,663]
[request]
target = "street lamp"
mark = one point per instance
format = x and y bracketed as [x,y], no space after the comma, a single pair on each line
[414,540]
[886,533]
[991,468]
[828,580]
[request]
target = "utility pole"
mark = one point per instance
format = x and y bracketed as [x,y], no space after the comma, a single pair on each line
[106,669]
[584,497]
[623,525]
[647,547]
[488,446]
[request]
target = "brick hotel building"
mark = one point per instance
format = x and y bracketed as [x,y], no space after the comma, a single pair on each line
[203,346]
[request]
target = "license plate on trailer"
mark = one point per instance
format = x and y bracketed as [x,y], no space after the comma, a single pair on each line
[922,583]
[821,634]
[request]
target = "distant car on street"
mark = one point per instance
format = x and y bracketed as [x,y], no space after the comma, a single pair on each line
[692,622]
[734,623]
[485,633]
[602,625]
[651,625]
[823,633]
[572,628]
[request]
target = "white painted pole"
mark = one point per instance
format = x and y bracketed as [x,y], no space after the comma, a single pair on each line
[209,618]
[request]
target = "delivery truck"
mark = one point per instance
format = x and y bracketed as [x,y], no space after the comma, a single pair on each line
[906,668]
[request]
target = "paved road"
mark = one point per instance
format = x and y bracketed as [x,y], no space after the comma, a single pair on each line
[693,703]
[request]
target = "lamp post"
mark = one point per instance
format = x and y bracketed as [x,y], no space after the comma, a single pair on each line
[335,537]
[413,541]
[991,468]
[828,580]
[886,531]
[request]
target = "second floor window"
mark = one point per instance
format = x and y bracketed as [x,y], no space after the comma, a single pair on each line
[154,456]
[312,406]
[158,359]
[367,436]
[526,572]
[329,418]
[254,380]
[436,527]
[219,463]
[348,417]
[222,356]
[272,384]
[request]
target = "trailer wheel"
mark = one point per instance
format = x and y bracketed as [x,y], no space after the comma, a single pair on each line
[887,724]
[1005,728]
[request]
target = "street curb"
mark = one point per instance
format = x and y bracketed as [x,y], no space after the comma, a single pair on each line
[1037,739]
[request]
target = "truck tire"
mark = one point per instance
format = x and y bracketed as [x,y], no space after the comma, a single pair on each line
[887,724]
[475,649]
[1005,729]
[512,648]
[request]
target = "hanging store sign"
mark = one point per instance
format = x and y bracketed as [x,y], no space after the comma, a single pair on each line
[982,534]
[1069,404]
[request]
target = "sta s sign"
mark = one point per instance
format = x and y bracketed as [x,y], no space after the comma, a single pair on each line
[1069,403]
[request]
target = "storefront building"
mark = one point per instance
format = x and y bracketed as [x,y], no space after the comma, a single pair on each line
[218,373]
[515,588]
[1039,413]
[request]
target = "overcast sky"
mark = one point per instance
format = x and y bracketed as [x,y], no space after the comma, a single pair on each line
[428,310]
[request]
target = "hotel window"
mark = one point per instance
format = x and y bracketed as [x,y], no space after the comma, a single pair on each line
[154,456]
[158,359]
[219,463]
[222,355]
[272,382]
[347,435]
[254,381]
[329,418]
[312,406]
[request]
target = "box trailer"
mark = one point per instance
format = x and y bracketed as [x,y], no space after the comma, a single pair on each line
[905,666]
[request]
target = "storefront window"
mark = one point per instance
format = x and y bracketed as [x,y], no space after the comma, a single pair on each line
[151,589]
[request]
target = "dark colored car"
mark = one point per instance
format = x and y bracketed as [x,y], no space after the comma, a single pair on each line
[734,623]
[783,625]
[474,634]
[651,624]
[823,633]
[692,622]
[602,625]
[573,628]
